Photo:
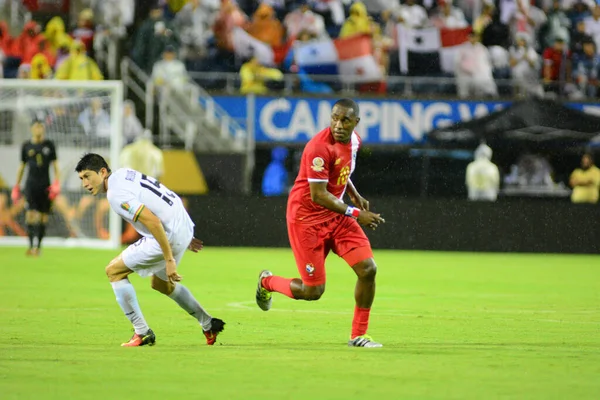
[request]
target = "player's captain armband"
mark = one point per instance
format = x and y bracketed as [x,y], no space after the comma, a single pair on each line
[352,212]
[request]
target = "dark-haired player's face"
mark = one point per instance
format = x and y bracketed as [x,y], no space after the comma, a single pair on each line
[37,131]
[343,122]
[93,181]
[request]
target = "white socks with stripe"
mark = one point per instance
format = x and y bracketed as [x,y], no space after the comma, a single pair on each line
[127,299]
[186,300]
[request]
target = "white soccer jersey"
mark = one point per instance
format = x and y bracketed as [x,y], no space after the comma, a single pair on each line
[129,191]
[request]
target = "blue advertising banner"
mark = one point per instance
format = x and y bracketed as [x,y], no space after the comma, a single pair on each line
[400,122]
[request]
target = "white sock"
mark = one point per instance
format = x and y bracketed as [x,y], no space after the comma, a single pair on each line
[127,299]
[186,300]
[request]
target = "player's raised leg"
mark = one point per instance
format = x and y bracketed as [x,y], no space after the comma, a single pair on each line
[118,273]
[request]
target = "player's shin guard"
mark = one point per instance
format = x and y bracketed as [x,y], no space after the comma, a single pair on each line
[278,284]
[40,234]
[360,322]
[30,234]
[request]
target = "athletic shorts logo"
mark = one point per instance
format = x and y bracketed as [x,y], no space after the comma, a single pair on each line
[125,206]
[317,164]
[310,268]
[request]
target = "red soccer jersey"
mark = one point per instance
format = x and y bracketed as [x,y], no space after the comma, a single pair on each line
[323,160]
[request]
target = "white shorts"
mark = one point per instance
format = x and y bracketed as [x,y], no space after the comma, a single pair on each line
[145,256]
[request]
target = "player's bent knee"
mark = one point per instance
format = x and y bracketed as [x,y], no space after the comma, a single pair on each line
[366,269]
[161,286]
[116,270]
[313,293]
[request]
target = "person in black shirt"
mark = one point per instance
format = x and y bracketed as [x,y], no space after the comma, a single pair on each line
[37,154]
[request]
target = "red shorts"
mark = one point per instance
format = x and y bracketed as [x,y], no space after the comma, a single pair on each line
[311,244]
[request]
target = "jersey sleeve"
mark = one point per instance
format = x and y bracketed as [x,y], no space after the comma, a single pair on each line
[318,161]
[125,204]
[24,153]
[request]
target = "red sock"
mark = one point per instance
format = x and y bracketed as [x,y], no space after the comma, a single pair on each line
[278,284]
[360,323]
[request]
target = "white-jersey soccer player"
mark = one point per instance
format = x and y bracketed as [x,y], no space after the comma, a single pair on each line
[167,232]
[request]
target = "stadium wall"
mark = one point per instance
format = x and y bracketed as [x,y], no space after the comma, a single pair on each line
[510,225]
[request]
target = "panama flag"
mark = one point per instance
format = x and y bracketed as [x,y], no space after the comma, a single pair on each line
[246,46]
[351,58]
[430,49]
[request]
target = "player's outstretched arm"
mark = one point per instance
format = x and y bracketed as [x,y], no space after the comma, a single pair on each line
[356,198]
[320,195]
[153,224]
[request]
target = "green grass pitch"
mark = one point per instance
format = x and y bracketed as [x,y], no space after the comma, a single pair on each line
[454,326]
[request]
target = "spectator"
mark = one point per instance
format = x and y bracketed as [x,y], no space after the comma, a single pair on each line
[230,16]
[586,69]
[84,30]
[79,66]
[55,33]
[6,41]
[449,16]
[482,176]
[275,179]
[303,19]
[474,70]
[579,11]
[585,181]
[40,67]
[64,49]
[265,26]
[557,66]
[411,14]
[578,38]
[26,44]
[132,127]
[332,12]
[254,75]
[95,121]
[558,24]
[24,71]
[115,16]
[194,23]
[152,37]
[529,19]
[525,65]
[592,25]
[357,23]
[169,72]
[496,33]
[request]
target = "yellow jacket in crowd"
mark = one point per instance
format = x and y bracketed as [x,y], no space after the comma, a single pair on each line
[254,75]
[358,22]
[78,66]
[40,67]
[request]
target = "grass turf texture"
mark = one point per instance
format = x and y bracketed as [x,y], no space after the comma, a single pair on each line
[454,326]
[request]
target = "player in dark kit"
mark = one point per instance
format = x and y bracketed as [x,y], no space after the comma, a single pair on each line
[318,221]
[37,154]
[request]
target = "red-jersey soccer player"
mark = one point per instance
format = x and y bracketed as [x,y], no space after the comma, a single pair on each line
[318,221]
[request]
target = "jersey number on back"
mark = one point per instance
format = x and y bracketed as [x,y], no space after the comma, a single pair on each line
[154,186]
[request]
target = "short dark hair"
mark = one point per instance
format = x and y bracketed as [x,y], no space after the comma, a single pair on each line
[348,103]
[93,162]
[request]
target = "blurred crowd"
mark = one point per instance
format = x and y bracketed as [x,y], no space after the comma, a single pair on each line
[543,47]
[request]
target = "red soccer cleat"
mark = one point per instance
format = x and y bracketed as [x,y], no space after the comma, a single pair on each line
[136,340]
[216,327]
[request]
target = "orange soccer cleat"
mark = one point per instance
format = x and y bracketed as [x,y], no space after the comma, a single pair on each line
[136,340]
[217,326]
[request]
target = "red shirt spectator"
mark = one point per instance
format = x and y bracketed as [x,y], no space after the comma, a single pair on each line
[27,43]
[553,61]
[84,30]
[5,39]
